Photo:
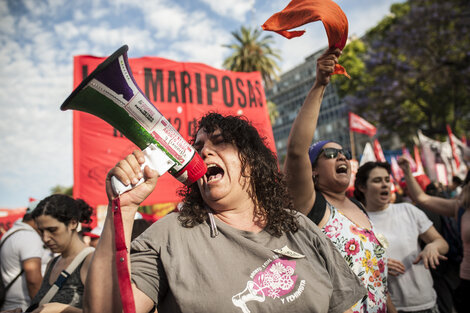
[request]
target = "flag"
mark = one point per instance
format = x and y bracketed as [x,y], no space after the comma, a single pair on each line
[419,163]
[410,159]
[396,170]
[379,154]
[300,12]
[367,155]
[437,158]
[360,125]
[454,148]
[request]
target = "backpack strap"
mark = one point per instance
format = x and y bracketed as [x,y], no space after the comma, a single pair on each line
[65,274]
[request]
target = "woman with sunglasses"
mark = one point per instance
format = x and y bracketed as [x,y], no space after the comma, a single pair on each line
[318,177]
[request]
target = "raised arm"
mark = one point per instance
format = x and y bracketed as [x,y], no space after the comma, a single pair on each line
[297,166]
[438,205]
[102,287]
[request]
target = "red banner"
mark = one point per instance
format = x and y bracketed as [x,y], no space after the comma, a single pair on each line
[182,92]
[8,218]
[379,154]
[360,125]
[454,148]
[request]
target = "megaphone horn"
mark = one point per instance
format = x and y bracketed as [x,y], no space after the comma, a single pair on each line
[111,93]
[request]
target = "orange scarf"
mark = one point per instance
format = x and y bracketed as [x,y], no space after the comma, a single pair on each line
[300,12]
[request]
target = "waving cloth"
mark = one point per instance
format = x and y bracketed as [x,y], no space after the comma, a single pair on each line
[300,12]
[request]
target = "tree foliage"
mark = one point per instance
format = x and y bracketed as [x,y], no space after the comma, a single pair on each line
[414,70]
[253,52]
[59,189]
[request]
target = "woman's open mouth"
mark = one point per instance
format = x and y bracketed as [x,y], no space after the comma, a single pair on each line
[342,169]
[214,173]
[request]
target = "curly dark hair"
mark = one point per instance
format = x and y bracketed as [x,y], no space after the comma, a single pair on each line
[64,208]
[267,186]
[362,176]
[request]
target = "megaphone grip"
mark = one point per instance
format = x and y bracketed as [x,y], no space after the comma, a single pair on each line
[155,158]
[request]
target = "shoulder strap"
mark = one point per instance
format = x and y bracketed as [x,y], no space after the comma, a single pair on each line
[360,205]
[22,270]
[9,235]
[65,274]
[319,207]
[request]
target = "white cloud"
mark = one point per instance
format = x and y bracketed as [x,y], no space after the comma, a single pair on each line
[167,21]
[236,9]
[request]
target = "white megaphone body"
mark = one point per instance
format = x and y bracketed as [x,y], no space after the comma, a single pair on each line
[111,93]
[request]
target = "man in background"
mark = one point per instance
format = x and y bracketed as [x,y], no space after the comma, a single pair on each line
[22,251]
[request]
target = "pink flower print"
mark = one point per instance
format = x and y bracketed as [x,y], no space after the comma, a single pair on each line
[277,279]
[371,236]
[382,309]
[371,297]
[381,265]
[333,229]
[352,247]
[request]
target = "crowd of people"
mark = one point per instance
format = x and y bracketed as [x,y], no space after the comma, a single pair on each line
[249,237]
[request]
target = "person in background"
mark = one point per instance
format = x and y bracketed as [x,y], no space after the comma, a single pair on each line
[456,187]
[235,246]
[402,224]
[94,236]
[318,176]
[57,217]
[22,251]
[459,208]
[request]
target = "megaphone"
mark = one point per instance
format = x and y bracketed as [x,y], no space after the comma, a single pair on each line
[111,93]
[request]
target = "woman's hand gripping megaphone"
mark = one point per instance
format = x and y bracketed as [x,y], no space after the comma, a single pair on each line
[154,158]
[132,173]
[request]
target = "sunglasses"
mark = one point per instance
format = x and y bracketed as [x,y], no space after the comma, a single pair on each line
[332,153]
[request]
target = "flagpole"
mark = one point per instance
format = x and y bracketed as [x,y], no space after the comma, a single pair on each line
[353,146]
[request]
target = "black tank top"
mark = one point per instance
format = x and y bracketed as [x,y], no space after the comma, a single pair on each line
[71,292]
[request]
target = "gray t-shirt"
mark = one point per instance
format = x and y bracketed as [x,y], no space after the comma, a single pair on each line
[185,270]
[23,245]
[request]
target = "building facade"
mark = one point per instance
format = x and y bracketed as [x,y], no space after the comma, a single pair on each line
[289,94]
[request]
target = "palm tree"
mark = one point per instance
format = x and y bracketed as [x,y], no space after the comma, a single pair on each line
[253,52]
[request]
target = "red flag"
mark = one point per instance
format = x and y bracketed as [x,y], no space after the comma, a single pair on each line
[300,12]
[396,170]
[454,148]
[419,164]
[360,125]
[379,154]
[410,159]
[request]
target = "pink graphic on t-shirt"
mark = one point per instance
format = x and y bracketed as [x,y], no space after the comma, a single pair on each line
[277,279]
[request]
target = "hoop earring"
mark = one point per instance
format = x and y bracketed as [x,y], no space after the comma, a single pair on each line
[315,179]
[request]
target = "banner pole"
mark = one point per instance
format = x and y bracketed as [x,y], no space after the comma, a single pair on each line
[353,145]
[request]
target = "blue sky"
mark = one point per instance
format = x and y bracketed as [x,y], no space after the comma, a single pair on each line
[39,38]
